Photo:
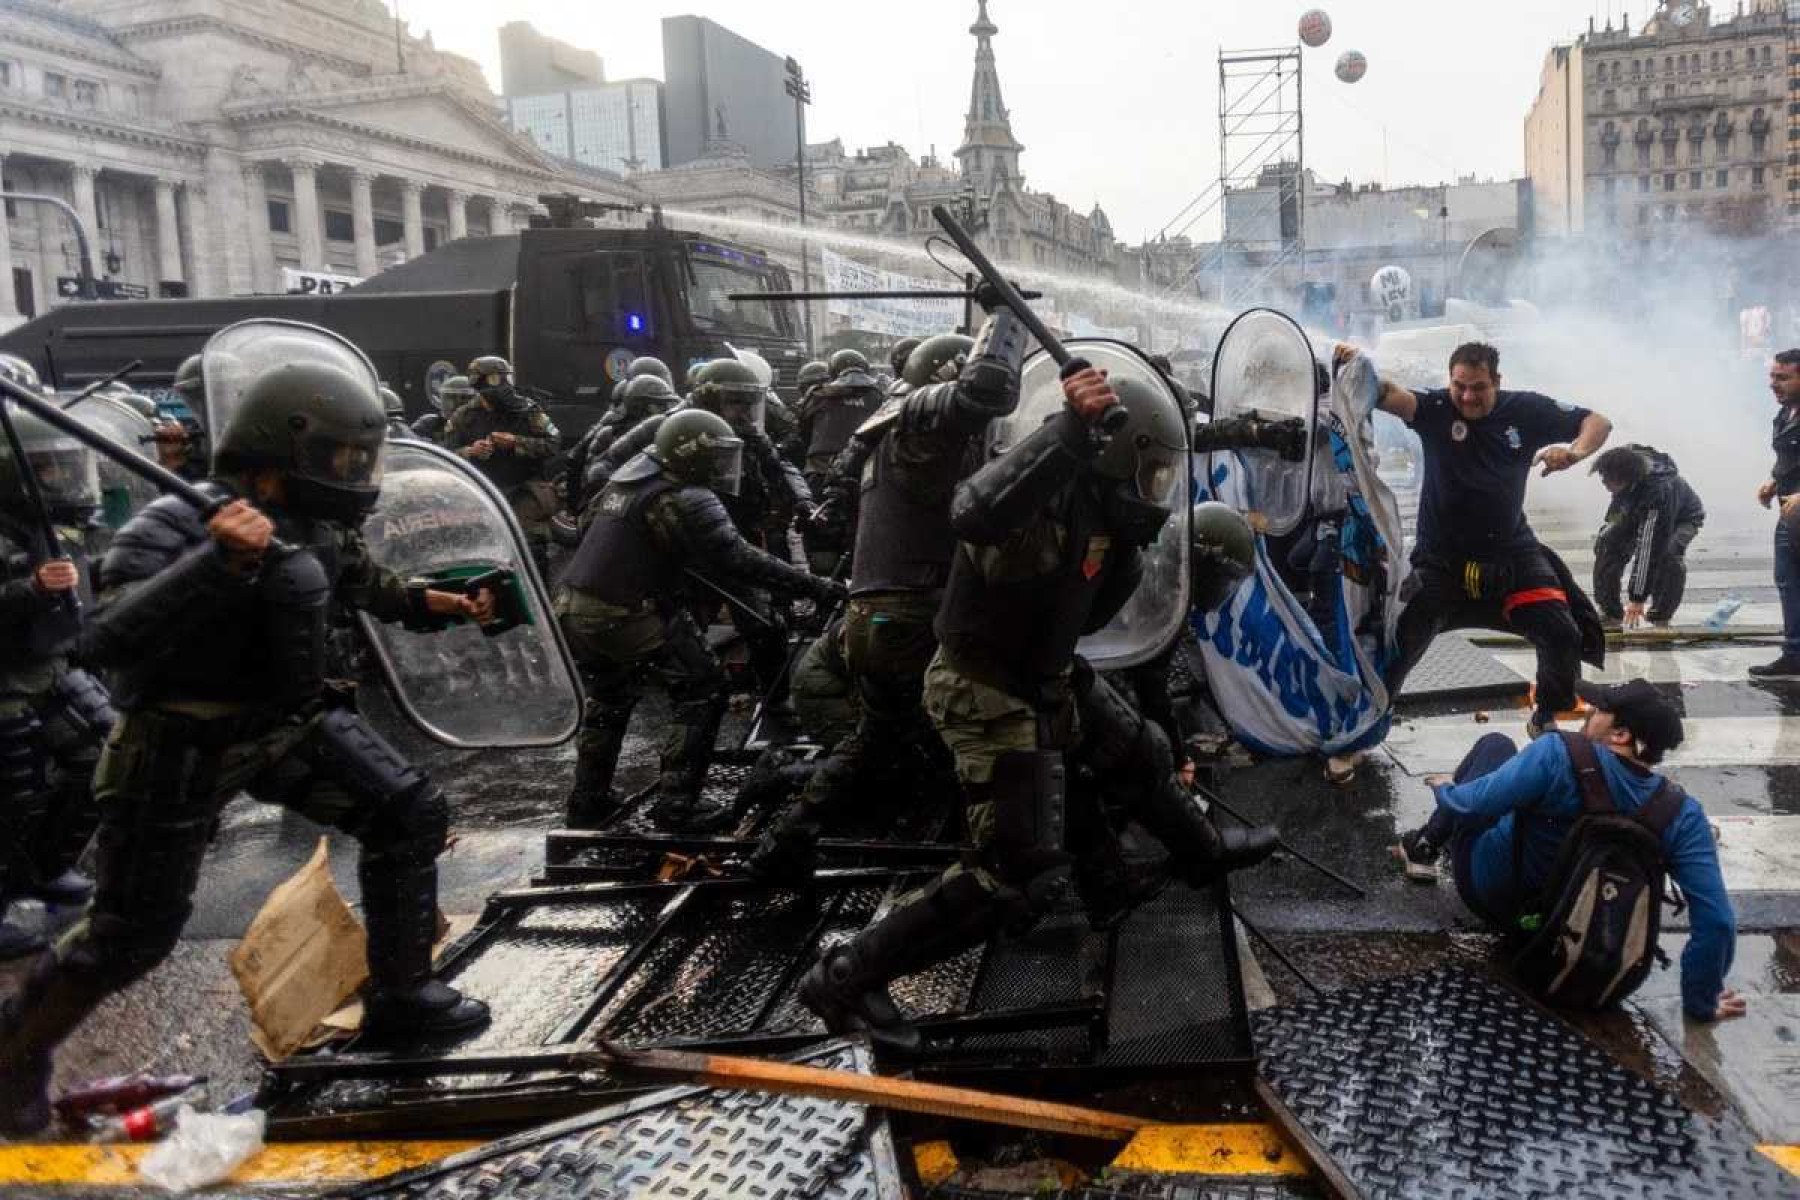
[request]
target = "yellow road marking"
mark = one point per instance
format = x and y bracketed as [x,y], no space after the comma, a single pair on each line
[1238,1149]
[282,1162]
[1787,1156]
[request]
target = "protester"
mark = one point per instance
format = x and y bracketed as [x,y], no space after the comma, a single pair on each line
[1505,815]
[1476,562]
[1782,489]
[1653,518]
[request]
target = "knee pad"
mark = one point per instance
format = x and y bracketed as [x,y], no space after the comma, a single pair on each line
[24,756]
[346,750]
[83,704]
[412,827]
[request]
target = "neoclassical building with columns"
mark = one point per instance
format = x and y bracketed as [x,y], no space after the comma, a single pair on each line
[213,147]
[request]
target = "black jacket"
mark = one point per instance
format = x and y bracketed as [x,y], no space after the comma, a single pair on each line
[1645,517]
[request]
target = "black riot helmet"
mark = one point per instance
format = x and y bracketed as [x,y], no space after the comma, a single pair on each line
[321,426]
[900,352]
[811,376]
[68,475]
[190,383]
[20,372]
[729,388]
[1223,553]
[698,447]
[937,359]
[1144,459]
[844,361]
[391,403]
[649,365]
[492,378]
[647,396]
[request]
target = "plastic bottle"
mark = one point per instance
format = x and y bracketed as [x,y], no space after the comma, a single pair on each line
[122,1093]
[1722,614]
[144,1124]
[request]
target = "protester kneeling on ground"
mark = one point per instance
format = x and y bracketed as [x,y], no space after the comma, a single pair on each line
[1507,817]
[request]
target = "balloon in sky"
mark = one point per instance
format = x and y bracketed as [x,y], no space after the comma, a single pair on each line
[1352,66]
[1315,27]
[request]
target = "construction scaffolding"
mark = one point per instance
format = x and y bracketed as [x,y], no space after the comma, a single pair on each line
[1793,113]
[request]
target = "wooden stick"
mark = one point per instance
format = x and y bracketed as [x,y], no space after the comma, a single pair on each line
[905,1095]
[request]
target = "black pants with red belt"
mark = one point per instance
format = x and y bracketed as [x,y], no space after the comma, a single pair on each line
[1518,594]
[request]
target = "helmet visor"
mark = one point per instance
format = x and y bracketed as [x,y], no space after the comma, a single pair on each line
[725,467]
[491,380]
[238,355]
[1158,470]
[66,474]
[345,464]
[741,408]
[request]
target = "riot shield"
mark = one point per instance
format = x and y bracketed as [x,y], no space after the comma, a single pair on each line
[1150,621]
[1263,368]
[240,353]
[122,493]
[439,519]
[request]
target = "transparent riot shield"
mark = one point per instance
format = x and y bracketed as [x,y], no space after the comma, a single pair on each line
[1150,621]
[439,519]
[239,353]
[1263,368]
[122,493]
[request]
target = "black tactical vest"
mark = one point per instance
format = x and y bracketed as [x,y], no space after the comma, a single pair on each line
[903,537]
[619,559]
[1014,625]
[835,418]
[507,471]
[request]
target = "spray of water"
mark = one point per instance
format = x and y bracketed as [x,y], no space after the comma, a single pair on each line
[1196,322]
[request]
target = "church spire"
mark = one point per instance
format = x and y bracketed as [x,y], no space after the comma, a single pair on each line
[988,150]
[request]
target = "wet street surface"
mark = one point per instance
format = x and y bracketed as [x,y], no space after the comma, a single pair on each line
[1741,760]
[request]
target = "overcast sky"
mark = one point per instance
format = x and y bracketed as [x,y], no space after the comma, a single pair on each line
[1115,100]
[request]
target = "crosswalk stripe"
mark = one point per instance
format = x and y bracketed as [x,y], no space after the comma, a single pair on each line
[1436,744]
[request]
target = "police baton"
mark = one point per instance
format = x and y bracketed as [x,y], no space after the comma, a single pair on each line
[1114,417]
[68,603]
[95,386]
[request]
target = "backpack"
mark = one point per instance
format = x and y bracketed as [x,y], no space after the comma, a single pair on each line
[1591,938]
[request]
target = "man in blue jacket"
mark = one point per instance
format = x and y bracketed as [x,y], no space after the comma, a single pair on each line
[1498,787]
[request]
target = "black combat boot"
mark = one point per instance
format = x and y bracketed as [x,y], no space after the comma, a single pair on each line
[848,987]
[1200,851]
[402,999]
[681,805]
[591,801]
[53,1001]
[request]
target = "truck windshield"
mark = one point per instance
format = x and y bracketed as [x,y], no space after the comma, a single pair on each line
[714,281]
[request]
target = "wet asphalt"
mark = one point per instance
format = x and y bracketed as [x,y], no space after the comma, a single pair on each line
[188,1014]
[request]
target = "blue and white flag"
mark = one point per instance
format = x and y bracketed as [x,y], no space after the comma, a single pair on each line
[1281,686]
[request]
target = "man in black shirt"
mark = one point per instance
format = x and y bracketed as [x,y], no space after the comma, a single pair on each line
[1782,488]
[1476,562]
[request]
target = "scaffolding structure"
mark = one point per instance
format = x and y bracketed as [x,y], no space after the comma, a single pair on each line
[1793,113]
[1262,142]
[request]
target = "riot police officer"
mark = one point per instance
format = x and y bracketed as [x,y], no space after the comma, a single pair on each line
[395,408]
[1052,537]
[53,716]
[831,414]
[453,394]
[906,463]
[511,440]
[213,626]
[619,603]
[770,494]
[898,356]
[610,425]
[646,396]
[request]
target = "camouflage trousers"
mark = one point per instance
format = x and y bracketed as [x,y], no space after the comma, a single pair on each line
[823,696]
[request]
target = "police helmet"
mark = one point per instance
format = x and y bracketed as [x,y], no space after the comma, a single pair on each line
[190,382]
[1145,456]
[729,388]
[492,378]
[812,375]
[900,352]
[1223,553]
[320,425]
[67,471]
[649,365]
[847,360]
[937,359]
[20,372]
[699,447]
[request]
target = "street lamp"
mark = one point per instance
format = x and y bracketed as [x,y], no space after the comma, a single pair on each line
[797,87]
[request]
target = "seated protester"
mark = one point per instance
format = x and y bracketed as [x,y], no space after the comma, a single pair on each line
[1507,814]
[1653,517]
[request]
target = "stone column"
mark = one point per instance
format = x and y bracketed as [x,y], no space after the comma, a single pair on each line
[229,248]
[412,209]
[82,178]
[206,276]
[458,205]
[7,307]
[309,225]
[262,248]
[362,218]
[168,237]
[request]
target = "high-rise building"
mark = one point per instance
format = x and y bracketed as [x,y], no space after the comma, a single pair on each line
[1678,126]
[532,64]
[614,126]
[719,87]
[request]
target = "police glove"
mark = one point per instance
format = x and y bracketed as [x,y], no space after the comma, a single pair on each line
[828,593]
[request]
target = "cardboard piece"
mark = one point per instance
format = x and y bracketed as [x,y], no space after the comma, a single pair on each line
[301,958]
